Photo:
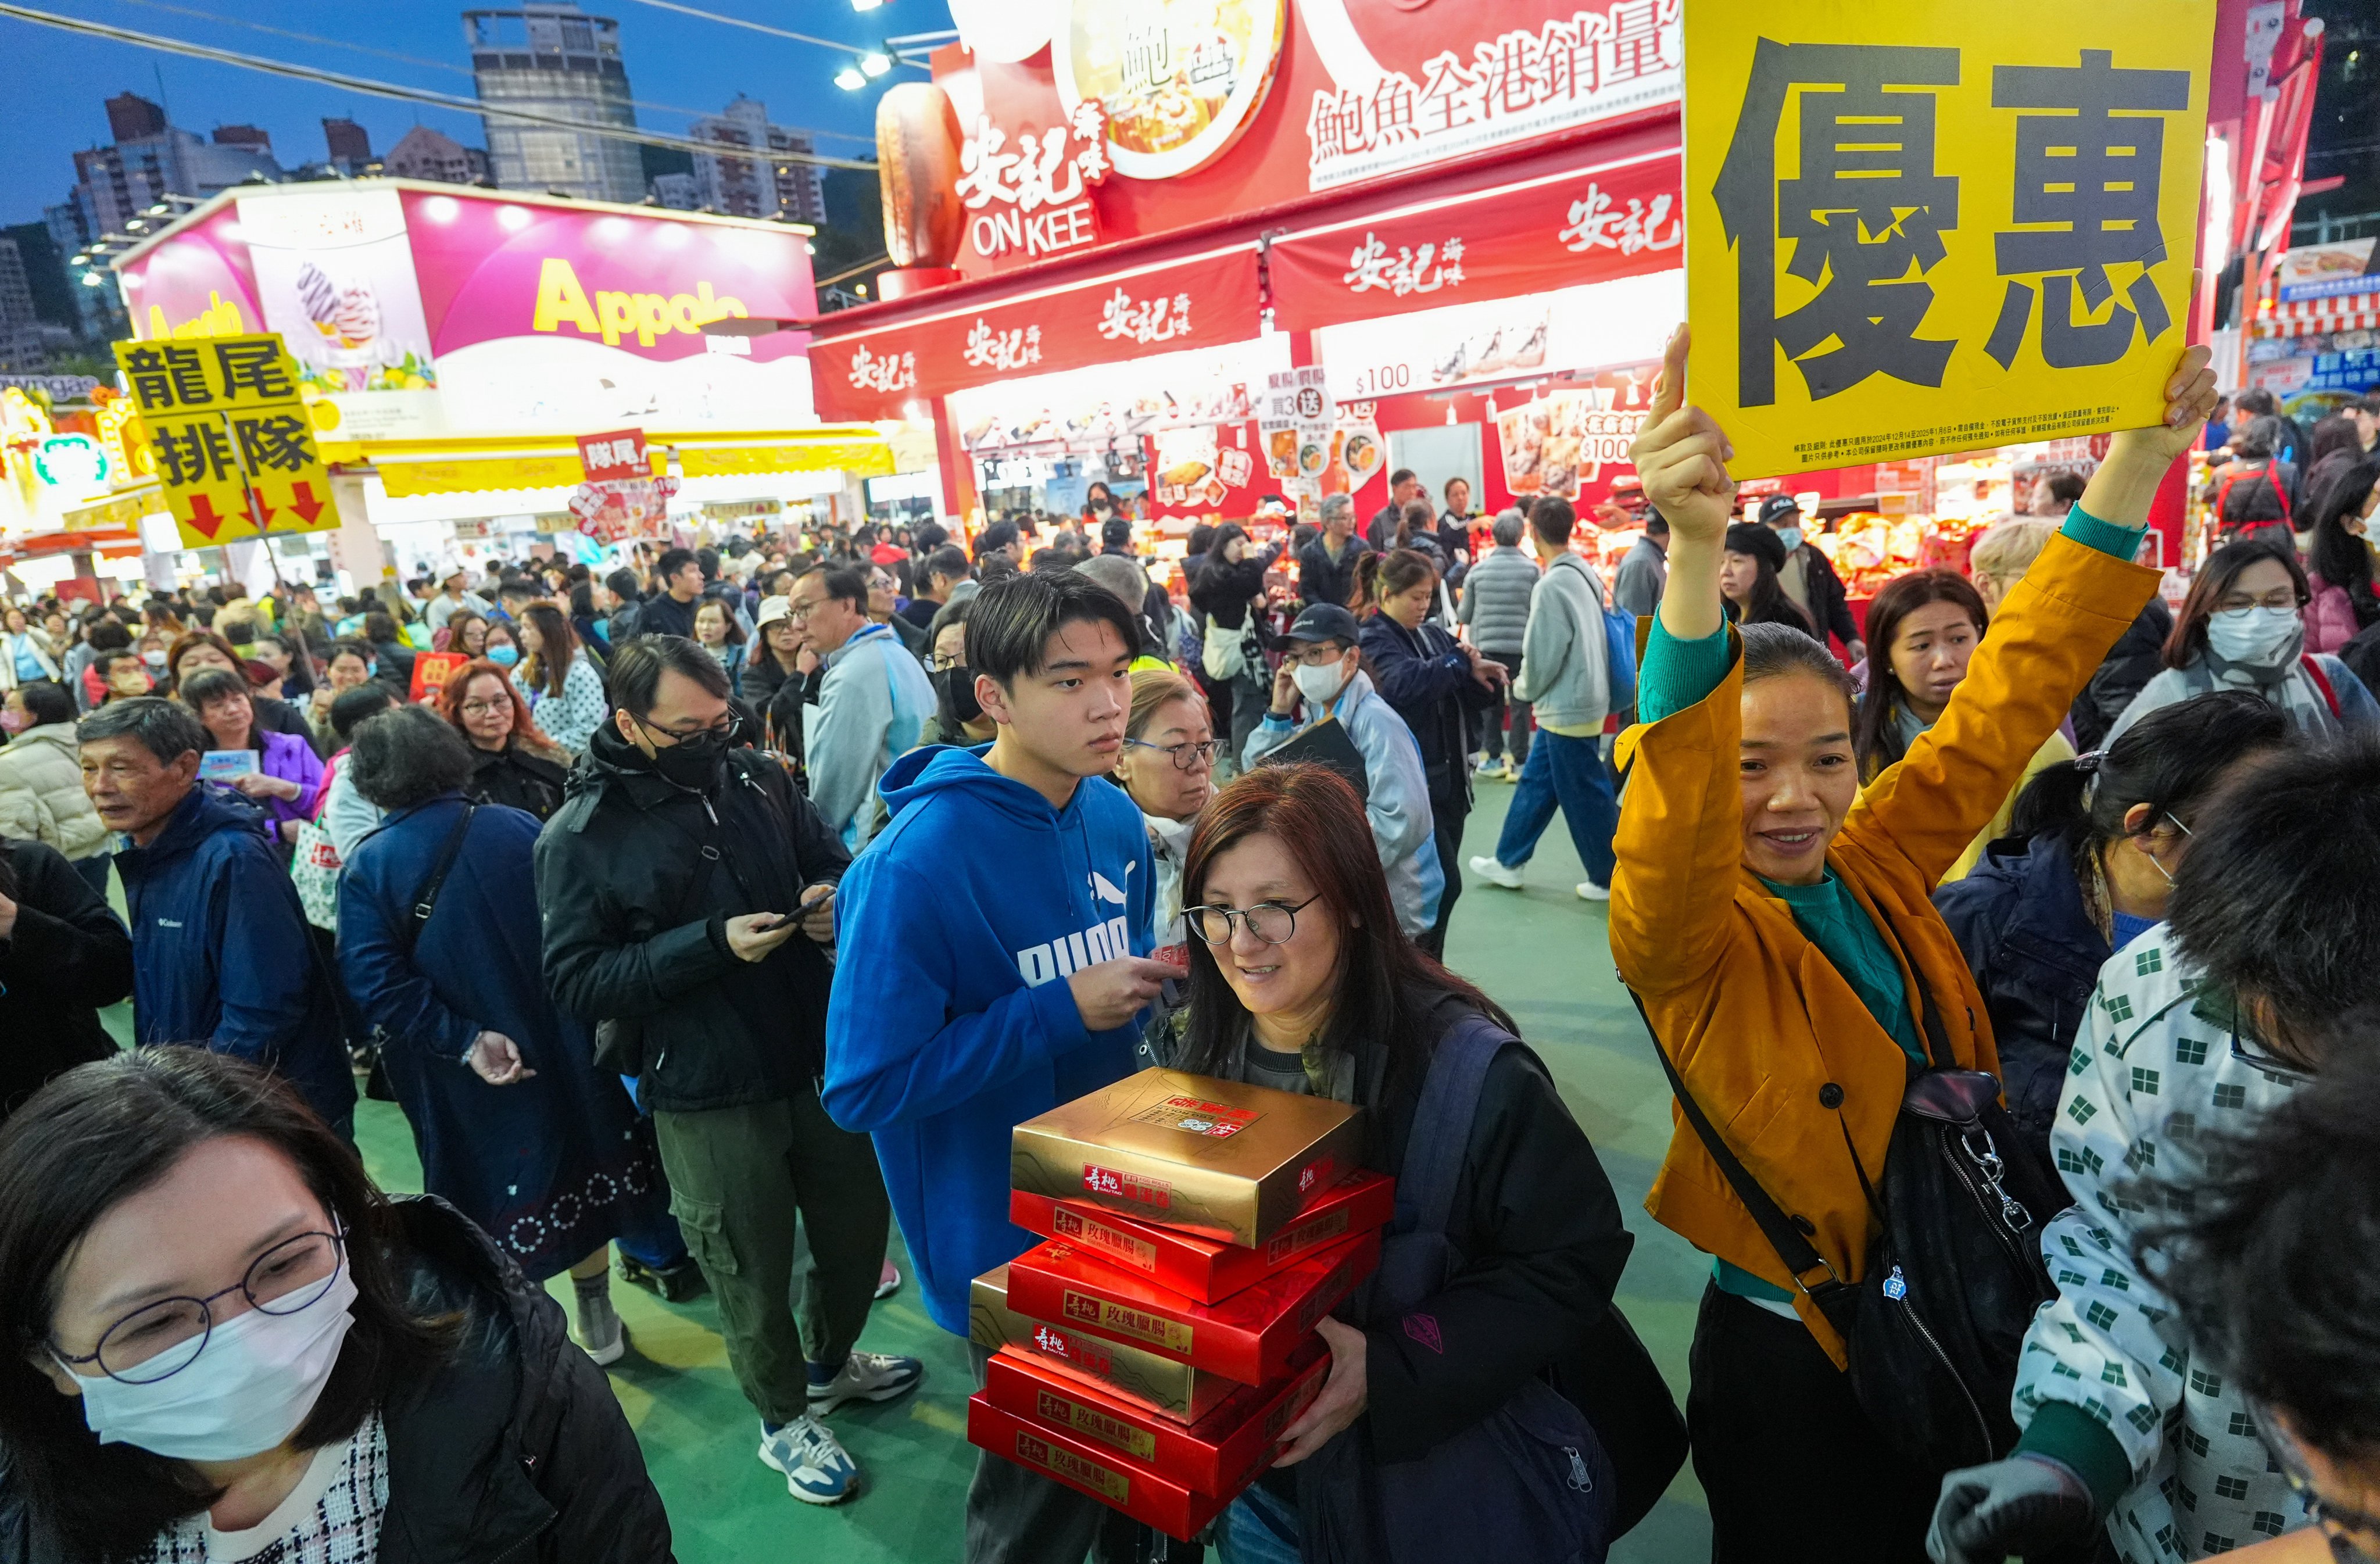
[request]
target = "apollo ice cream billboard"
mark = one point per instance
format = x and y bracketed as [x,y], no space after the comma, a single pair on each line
[419,312]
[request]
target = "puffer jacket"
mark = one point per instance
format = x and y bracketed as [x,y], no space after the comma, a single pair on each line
[514,1451]
[1776,1046]
[2034,952]
[638,877]
[2137,657]
[41,792]
[1495,600]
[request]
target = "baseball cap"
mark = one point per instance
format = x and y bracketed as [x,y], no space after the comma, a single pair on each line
[1775,507]
[1326,621]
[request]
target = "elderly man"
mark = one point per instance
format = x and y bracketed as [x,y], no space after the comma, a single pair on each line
[870,705]
[1326,567]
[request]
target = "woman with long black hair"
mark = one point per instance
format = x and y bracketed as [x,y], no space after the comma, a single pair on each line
[218,1340]
[1299,981]
[1748,582]
[1227,594]
[2339,572]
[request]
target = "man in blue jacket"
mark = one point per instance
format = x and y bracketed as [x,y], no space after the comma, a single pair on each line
[995,938]
[220,951]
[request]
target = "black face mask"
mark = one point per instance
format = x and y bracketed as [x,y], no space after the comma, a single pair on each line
[693,760]
[956,687]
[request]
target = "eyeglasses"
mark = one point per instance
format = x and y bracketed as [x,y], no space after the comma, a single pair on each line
[2279,597]
[797,612]
[164,1338]
[725,729]
[940,661]
[481,707]
[1186,757]
[1273,923]
[2351,1534]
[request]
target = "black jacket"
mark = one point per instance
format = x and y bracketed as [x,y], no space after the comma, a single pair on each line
[1535,1221]
[68,956]
[2135,659]
[514,1452]
[1426,677]
[638,876]
[1828,603]
[1225,589]
[661,614]
[1321,581]
[2019,921]
[515,777]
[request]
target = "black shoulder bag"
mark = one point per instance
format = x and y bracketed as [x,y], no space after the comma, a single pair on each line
[425,900]
[1954,1275]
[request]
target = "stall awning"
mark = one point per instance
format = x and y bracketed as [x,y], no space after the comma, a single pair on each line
[2310,316]
[1200,300]
[1613,211]
[412,468]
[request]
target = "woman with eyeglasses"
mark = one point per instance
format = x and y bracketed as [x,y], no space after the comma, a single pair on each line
[886,593]
[2256,988]
[2086,869]
[1168,766]
[1300,980]
[515,763]
[958,718]
[2243,628]
[219,1341]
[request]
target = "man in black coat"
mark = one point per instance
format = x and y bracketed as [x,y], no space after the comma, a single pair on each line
[1326,567]
[63,955]
[2136,658]
[1809,577]
[674,881]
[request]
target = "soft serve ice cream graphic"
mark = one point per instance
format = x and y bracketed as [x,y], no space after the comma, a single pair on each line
[346,317]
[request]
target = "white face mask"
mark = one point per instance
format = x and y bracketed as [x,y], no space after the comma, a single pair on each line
[1318,685]
[2256,638]
[251,1386]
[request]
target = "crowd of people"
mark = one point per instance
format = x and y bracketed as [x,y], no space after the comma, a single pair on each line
[732,906]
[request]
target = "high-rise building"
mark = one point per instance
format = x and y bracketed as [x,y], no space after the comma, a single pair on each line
[424,153]
[675,191]
[774,183]
[247,137]
[27,342]
[555,59]
[349,144]
[130,117]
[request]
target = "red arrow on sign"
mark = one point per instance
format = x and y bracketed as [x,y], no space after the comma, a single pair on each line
[203,516]
[264,509]
[302,501]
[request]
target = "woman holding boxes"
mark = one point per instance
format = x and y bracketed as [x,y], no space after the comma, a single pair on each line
[1299,981]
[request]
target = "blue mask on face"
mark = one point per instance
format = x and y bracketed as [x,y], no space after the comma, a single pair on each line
[1791,537]
[503,657]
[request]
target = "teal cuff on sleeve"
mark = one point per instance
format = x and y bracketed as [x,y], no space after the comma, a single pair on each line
[2122,542]
[1678,674]
[2065,1432]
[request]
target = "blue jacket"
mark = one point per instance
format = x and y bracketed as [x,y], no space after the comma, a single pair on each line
[950,1021]
[221,952]
[2018,918]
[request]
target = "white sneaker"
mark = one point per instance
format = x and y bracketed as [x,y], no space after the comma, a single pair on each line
[600,1334]
[1494,873]
[888,1282]
[866,1377]
[1590,891]
[818,1468]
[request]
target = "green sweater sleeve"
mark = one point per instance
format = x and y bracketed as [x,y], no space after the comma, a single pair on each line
[2123,543]
[1678,674]
[2067,1434]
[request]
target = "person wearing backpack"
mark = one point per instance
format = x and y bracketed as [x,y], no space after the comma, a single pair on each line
[1484,1399]
[1824,1037]
[1567,673]
[2196,1032]
[2243,628]
[1436,684]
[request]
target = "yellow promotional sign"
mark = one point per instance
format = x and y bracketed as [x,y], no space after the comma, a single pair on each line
[1920,229]
[233,444]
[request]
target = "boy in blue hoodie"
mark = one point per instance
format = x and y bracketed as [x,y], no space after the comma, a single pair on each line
[996,938]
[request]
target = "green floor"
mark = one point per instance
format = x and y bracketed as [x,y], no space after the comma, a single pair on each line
[1541,953]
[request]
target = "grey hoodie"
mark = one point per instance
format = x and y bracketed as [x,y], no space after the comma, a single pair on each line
[1565,670]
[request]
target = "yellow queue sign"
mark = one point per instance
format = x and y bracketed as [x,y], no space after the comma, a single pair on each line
[1930,228]
[234,447]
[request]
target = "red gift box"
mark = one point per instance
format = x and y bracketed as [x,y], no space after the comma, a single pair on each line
[1249,1336]
[1221,1454]
[1201,1268]
[1171,1505]
[1172,1389]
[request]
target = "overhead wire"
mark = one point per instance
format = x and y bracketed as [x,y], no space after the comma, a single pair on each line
[424,95]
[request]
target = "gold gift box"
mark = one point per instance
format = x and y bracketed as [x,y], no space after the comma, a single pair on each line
[1226,1161]
[1173,1390]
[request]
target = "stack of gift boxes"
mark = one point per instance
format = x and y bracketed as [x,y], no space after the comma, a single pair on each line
[1151,1352]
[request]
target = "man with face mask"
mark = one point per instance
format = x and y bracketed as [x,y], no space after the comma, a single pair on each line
[1809,577]
[1324,675]
[689,890]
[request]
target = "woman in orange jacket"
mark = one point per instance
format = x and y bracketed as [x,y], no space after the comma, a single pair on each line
[1776,921]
